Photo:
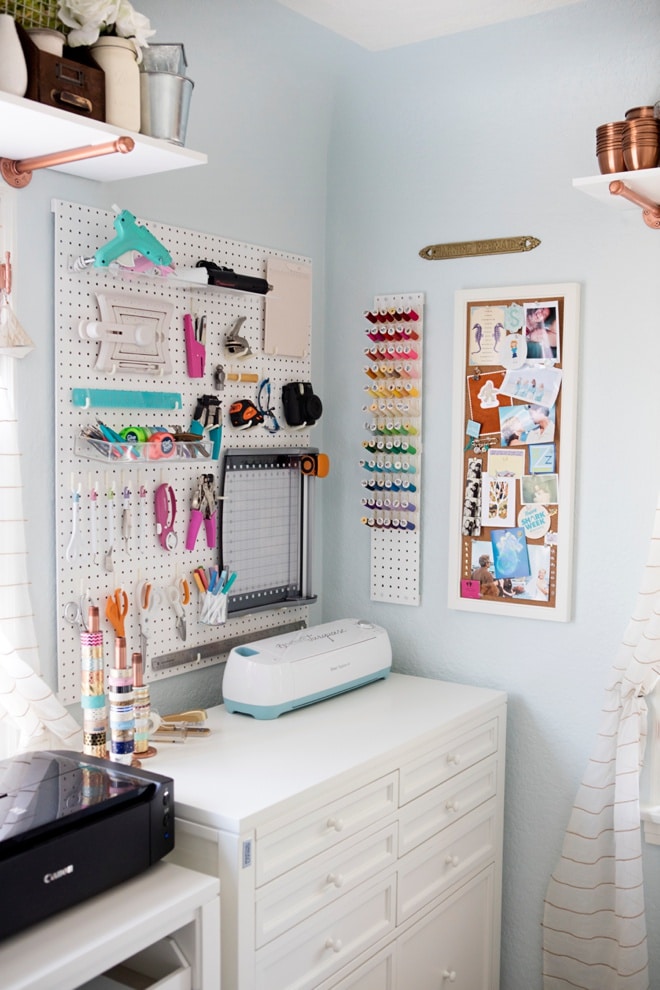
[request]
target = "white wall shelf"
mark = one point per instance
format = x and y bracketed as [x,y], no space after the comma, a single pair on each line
[646,182]
[116,271]
[30,129]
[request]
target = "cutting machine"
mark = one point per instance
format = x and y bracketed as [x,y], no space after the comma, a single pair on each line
[278,674]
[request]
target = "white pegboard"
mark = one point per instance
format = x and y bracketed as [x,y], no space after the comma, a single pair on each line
[395,555]
[395,567]
[79,231]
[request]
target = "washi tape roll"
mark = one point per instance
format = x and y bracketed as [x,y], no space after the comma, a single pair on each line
[94,738]
[92,663]
[95,716]
[118,748]
[92,682]
[124,719]
[92,701]
[122,735]
[120,695]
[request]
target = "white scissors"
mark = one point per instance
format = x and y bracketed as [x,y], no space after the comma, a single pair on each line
[147,598]
[74,613]
[178,595]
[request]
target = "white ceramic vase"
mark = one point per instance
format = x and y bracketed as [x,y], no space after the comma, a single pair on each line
[118,59]
[13,67]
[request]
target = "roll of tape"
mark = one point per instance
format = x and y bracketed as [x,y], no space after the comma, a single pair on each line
[92,701]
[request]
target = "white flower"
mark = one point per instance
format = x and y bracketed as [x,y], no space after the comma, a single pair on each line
[87,14]
[88,19]
[130,24]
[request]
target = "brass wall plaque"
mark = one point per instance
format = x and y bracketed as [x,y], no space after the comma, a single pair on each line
[471,249]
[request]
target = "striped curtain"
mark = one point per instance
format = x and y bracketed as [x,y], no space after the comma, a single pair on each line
[594,926]
[16,616]
[26,702]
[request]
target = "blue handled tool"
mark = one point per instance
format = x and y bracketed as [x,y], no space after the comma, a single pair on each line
[131,236]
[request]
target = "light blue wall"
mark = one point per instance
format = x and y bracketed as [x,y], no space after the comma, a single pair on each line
[478,136]
[358,160]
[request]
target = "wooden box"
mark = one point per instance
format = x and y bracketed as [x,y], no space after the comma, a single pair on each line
[57,81]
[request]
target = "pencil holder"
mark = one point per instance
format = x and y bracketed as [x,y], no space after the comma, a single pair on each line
[214,609]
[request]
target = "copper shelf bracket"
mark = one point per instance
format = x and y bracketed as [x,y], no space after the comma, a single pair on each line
[19,173]
[650,210]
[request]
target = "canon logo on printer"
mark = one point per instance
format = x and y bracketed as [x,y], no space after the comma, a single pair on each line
[58,874]
[313,639]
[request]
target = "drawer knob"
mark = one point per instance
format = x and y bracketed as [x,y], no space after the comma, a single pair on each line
[452,860]
[449,975]
[333,943]
[336,823]
[452,805]
[337,879]
[454,758]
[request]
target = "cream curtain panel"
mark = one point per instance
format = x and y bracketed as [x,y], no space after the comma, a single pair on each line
[31,707]
[16,616]
[25,700]
[594,925]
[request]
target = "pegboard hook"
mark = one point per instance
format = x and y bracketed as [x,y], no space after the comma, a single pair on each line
[19,173]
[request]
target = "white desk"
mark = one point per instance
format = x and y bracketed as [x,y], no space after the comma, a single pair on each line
[358,841]
[74,946]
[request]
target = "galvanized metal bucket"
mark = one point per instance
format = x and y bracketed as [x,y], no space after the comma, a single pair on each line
[164,58]
[164,105]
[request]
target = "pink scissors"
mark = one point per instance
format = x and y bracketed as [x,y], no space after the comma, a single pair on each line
[165,505]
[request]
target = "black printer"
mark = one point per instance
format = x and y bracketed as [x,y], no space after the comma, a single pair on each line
[72,826]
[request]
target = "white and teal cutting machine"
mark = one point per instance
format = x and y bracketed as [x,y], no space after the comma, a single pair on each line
[278,674]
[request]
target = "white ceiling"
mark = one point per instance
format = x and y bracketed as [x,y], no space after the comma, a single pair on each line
[380,24]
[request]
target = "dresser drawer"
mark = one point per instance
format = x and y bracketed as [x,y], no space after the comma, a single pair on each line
[454,946]
[444,860]
[438,808]
[378,973]
[319,882]
[458,753]
[314,950]
[313,833]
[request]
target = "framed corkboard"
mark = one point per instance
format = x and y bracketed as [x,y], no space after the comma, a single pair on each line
[513,450]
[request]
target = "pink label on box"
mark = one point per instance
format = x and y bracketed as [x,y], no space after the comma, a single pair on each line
[469,588]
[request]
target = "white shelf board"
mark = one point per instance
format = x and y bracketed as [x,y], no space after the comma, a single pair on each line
[77,944]
[28,129]
[645,181]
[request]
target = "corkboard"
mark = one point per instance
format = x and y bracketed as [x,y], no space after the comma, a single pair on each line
[513,450]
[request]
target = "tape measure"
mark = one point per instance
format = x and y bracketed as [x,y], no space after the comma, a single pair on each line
[244,414]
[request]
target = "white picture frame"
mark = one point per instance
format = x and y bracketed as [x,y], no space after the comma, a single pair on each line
[531,597]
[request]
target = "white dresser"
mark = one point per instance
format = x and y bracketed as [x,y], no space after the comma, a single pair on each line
[358,841]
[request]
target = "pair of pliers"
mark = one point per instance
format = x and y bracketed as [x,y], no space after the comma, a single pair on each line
[207,417]
[204,505]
